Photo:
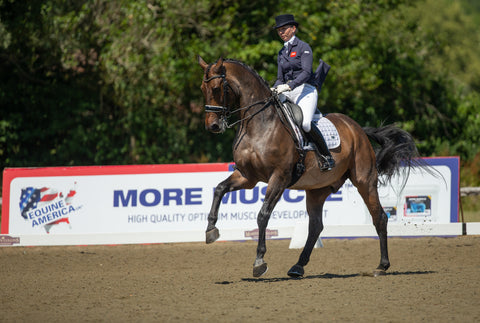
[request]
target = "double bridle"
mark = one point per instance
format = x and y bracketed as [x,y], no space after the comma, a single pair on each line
[224,110]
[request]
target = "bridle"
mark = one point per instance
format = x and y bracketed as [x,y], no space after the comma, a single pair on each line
[218,108]
[224,110]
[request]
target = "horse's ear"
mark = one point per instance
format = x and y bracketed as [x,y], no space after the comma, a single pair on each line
[218,66]
[202,63]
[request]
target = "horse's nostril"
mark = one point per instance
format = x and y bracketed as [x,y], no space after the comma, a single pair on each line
[214,127]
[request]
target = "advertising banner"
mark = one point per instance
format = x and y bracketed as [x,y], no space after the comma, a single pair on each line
[169,203]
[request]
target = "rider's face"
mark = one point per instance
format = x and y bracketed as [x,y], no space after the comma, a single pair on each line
[286,32]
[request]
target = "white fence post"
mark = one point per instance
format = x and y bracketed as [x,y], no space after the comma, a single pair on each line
[467,191]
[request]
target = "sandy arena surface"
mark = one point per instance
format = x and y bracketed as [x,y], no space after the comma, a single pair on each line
[431,280]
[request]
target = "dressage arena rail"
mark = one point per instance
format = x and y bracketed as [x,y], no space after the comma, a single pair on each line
[467,191]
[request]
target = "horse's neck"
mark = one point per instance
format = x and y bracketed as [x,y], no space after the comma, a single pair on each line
[262,109]
[255,100]
[257,114]
[259,122]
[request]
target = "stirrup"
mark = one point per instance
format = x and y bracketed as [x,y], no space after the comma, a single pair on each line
[327,163]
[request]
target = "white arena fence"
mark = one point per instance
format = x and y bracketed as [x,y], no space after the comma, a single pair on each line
[469,191]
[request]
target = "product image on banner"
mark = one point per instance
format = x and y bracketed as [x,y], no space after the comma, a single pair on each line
[418,206]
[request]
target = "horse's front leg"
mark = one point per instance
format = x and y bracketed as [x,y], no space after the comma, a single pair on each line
[273,194]
[234,182]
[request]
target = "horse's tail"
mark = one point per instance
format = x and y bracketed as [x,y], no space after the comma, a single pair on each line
[396,152]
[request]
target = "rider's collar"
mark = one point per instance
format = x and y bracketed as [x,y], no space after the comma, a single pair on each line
[289,42]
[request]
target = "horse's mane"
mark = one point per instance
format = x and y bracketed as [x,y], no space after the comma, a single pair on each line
[248,68]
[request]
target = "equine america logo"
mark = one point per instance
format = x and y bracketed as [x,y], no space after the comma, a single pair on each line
[47,207]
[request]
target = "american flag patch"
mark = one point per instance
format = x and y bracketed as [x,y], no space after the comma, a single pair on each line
[31,197]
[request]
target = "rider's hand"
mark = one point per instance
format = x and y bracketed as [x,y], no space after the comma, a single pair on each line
[282,88]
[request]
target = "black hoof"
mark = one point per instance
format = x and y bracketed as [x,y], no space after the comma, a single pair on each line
[296,271]
[212,235]
[260,270]
[379,272]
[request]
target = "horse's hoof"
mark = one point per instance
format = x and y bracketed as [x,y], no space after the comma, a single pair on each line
[260,270]
[212,235]
[296,271]
[379,272]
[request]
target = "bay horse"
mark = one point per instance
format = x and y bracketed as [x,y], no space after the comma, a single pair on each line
[264,151]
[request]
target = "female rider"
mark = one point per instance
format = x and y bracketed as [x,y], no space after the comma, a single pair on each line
[296,81]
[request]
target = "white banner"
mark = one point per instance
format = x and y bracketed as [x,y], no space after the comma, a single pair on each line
[130,199]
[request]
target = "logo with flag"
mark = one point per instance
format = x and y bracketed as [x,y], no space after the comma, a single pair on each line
[46,207]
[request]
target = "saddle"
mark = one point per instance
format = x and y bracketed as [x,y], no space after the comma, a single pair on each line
[326,127]
[294,111]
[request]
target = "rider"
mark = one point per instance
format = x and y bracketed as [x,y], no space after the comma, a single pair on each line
[296,81]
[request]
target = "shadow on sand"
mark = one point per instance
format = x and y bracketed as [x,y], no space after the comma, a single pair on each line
[324,276]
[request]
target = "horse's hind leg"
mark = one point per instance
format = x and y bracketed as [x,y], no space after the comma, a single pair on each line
[368,191]
[234,182]
[315,202]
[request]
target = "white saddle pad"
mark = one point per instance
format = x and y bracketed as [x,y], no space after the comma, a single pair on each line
[328,130]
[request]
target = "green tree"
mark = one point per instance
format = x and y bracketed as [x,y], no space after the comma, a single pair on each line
[116,82]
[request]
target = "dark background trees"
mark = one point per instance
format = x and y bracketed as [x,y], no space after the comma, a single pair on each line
[116,82]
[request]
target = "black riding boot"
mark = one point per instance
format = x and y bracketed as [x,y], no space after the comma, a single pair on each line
[316,137]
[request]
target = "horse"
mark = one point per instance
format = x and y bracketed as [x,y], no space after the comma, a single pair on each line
[264,150]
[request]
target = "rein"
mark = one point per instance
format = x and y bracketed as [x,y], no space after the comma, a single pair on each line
[266,103]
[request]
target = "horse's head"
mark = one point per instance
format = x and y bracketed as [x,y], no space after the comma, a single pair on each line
[215,90]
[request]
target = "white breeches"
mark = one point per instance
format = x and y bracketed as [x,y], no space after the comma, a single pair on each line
[306,97]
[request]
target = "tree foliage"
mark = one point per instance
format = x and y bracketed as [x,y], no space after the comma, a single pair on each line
[116,82]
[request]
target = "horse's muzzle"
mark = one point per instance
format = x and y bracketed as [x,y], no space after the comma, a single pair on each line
[215,124]
[215,128]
